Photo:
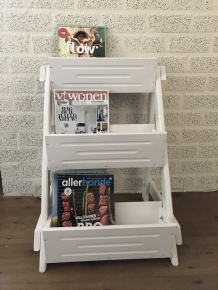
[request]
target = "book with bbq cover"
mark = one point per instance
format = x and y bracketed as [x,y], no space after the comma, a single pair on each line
[84,199]
[81,111]
[81,40]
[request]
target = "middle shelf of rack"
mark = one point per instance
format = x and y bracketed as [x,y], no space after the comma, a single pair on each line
[129,145]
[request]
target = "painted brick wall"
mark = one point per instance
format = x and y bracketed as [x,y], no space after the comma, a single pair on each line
[183,34]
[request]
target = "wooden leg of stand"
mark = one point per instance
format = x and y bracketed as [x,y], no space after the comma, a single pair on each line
[42,262]
[178,232]
[37,235]
[174,259]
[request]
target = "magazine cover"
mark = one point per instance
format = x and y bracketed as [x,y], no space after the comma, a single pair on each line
[81,41]
[53,177]
[81,111]
[84,199]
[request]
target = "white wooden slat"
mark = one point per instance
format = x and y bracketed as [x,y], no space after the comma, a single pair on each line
[46,130]
[37,235]
[154,191]
[42,256]
[109,242]
[166,187]
[42,73]
[158,100]
[165,219]
[163,73]
[105,150]
[118,75]
[178,232]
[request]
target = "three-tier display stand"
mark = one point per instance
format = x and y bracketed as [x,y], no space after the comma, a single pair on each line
[144,229]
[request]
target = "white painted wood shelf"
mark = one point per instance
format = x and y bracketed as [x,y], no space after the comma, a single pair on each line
[146,229]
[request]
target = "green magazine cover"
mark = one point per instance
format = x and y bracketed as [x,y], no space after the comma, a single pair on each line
[81,41]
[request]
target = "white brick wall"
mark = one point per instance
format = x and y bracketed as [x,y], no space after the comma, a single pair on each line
[181,33]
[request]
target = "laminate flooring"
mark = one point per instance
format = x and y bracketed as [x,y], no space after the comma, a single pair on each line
[197,213]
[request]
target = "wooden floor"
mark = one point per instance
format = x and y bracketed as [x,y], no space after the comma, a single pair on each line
[197,214]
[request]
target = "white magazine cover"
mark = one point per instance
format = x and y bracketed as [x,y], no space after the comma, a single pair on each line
[81,111]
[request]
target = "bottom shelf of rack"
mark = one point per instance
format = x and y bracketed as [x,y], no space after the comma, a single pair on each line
[142,230]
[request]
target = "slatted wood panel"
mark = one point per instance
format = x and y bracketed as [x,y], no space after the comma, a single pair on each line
[114,74]
[108,243]
[105,150]
[136,235]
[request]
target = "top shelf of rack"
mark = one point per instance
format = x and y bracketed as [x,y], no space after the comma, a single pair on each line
[118,75]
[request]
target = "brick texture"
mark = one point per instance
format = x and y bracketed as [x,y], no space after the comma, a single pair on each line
[182,34]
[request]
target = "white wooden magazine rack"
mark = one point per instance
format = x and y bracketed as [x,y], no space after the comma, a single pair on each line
[146,229]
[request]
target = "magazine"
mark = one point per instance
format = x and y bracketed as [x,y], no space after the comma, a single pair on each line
[81,111]
[54,178]
[83,199]
[81,41]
